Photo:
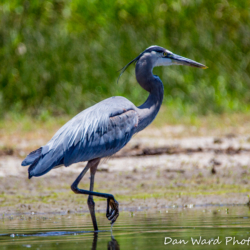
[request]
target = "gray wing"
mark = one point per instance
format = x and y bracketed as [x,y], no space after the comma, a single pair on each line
[97,132]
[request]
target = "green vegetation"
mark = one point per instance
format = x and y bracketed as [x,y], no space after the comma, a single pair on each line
[168,193]
[59,57]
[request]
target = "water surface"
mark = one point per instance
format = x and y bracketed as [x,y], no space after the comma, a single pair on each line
[225,227]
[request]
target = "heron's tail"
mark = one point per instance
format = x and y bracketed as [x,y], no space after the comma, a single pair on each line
[31,157]
[43,160]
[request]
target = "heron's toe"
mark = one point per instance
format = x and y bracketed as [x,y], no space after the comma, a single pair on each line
[114,210]
[114,218]
[111,215]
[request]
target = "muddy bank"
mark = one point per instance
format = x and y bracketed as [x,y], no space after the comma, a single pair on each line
[153,171]
[148,187]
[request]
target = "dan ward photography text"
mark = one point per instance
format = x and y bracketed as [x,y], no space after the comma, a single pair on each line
[203,241]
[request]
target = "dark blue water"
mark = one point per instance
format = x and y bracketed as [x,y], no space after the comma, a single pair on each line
[226,227]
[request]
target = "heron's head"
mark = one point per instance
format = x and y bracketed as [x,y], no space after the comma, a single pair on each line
[159,56]
[163,57]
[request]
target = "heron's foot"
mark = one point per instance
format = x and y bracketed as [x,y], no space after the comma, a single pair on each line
[112,210]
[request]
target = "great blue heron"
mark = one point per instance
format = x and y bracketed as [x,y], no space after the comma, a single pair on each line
[105,128]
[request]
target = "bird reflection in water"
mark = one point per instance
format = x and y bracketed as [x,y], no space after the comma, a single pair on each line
[112,244]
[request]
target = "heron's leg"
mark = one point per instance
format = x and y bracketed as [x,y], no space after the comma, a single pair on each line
[91,202]
[112,203]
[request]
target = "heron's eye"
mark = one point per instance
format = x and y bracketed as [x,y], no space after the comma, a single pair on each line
[165,53]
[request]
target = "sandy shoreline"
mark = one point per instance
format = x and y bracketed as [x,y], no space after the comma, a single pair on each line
[192,171]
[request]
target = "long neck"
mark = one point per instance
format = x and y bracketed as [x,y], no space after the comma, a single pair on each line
[149,109]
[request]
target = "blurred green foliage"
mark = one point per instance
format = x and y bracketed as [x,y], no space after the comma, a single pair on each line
[59,57]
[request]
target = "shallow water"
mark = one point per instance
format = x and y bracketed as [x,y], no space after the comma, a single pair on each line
[147,229]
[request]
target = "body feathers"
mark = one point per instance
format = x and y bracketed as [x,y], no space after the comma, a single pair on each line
[96,132]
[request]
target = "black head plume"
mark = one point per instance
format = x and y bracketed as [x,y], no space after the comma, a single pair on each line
[125,67]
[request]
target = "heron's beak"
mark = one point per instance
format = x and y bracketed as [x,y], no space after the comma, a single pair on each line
[179,60]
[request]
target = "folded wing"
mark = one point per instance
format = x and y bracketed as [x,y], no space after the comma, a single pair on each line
[97,132]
